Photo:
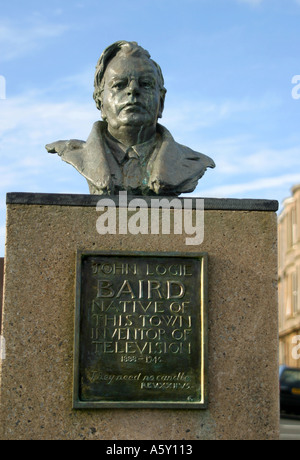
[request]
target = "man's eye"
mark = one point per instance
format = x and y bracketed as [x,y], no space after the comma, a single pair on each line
[120,85]
[147,84]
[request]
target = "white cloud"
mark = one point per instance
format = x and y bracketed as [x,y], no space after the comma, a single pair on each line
[191,115]
[240,189]
[242,155]
[27,123]
[29,120]
[17,40]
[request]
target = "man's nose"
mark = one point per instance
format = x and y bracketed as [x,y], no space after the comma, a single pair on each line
[133,88]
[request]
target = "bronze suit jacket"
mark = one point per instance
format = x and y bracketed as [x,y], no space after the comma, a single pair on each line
[172,168]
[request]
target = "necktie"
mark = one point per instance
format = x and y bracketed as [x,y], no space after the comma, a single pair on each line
[132,170]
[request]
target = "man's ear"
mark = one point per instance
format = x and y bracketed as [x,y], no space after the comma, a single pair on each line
[100,106]
[162,103]
[97,98]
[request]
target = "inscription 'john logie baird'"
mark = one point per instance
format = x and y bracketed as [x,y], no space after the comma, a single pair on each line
[141,289]
[143,333]
[141,316]
[150,270]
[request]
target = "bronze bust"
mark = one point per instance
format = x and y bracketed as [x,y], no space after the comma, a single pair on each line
[129,150]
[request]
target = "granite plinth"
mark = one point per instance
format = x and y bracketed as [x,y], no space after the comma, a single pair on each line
[1,286]
[38,324]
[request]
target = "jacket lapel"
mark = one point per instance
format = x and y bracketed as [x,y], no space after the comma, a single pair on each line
[96,169]
[176,168]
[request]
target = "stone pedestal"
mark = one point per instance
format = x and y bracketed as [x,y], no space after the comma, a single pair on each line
[1,286]
[44,233]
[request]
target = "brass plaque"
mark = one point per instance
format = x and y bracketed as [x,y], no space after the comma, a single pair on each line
[140,331]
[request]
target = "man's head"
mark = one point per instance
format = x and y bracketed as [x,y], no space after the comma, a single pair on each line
[129,86]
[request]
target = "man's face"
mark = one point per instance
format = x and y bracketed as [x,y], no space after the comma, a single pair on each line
[131,94]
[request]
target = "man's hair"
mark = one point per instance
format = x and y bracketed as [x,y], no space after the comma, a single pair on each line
[128,48]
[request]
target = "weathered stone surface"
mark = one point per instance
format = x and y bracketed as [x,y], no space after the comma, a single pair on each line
[38,325]
[1,286]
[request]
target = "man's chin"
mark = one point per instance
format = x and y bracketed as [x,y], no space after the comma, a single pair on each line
[134,120]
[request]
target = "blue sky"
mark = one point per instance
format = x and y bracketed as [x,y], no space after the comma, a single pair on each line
[228,68]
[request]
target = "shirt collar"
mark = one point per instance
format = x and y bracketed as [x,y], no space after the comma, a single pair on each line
[120,151]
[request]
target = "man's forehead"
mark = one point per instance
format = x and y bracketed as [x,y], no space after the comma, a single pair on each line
[122,65]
